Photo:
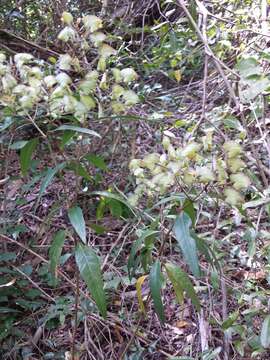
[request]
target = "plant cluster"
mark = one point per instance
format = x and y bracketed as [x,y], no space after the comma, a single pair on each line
[195,164]
[206,213]
[69,86]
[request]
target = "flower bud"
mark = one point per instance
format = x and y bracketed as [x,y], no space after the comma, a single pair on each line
[67,18]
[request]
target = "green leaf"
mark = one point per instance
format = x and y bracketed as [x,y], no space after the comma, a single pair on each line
[188,208]
[56,249]
[100,209]
[99,229]
[78,129]
[97,161]
[265,332]
[6,123]
[89,267]
[18,145]
[186,242]
[254,88]
[135,247]
[80,170]
[155,281]
[8,256]
[173,198]
[26,155]
[181,282]
[5,310]
[75,215]
[65,138]
[205,249]
[117,197]
[230,320]
[115,207]
[211,354]
[256,203]
[175,278]
[49,176]
[249,67]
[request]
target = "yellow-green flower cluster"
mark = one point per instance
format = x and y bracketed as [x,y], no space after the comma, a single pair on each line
[26,83]
[191,165]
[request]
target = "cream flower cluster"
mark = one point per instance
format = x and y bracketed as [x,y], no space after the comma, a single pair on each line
[194,164]
[26,83]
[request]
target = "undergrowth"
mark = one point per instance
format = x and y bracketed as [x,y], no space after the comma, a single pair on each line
[135,188]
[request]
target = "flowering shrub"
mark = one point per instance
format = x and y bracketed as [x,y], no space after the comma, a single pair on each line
[70,85]
[196,163]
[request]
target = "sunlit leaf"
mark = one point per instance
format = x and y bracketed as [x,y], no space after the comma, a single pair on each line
[78,129]
[177,75]
[139,284]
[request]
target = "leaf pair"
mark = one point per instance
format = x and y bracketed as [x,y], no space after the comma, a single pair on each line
[86,259]
[180,281]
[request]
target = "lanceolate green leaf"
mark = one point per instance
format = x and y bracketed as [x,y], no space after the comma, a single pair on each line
[78,129]
[188,208]
[175,278]
[79,170]
[135,247]
[186,242]
[205,249]
[97,161]
[89,267]
[230,321]
[117,197]
[26,155]
[181,282]
[265,333]
[211,354]
[49,176]
[172,198]
[56,249]
[75,215]
[155,281]
[18,145]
